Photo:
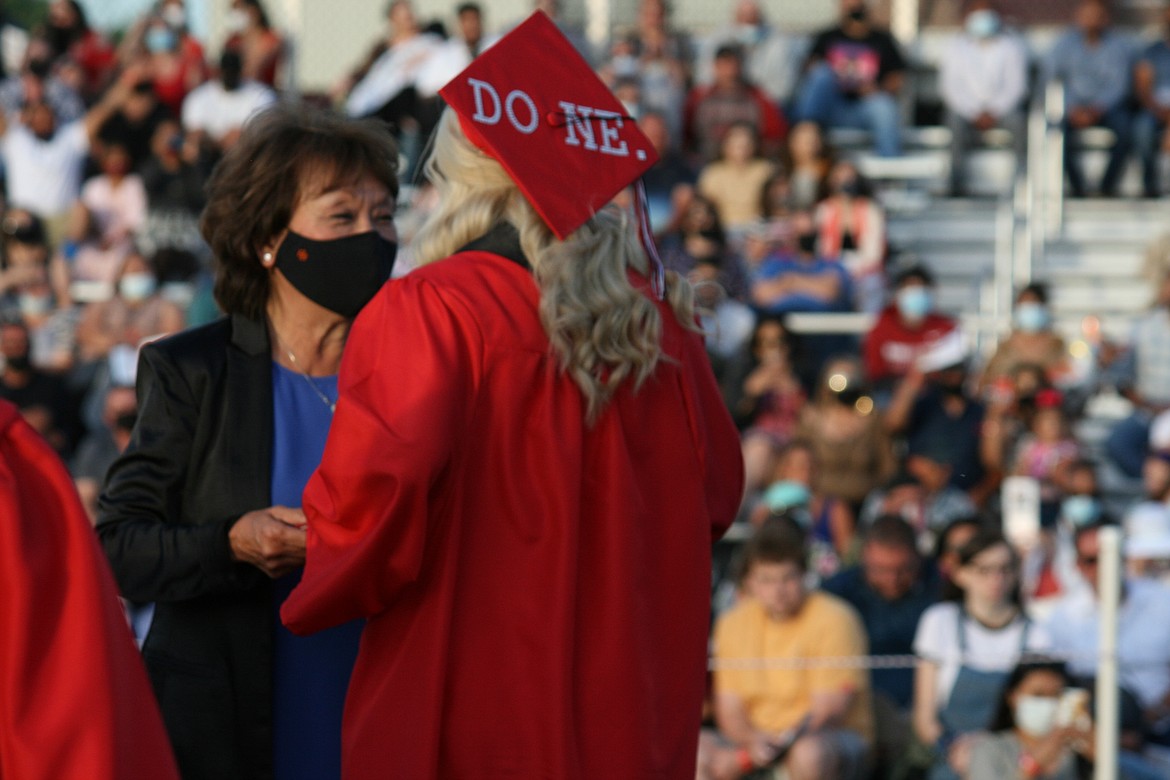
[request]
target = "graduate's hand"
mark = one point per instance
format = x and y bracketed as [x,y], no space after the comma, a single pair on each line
[272,540]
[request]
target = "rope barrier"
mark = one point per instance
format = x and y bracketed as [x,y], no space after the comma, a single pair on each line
[903,661]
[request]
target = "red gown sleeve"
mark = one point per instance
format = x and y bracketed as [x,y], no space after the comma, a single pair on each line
[718,441]
[407,379]
[74,697]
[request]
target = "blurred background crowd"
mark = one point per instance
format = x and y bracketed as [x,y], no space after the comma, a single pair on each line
[944,391]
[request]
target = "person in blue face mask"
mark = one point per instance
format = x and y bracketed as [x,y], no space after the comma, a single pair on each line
[983,80]
[201,514]
[1032,341]
[906,329]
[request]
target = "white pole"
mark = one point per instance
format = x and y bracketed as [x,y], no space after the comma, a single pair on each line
[1109,596]
[597,24]
[904,20]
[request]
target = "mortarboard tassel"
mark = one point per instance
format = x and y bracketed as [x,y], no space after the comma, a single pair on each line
[642,212]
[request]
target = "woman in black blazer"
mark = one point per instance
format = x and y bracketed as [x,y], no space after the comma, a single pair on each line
[201,515]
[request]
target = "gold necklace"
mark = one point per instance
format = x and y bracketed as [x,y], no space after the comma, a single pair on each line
[293,359]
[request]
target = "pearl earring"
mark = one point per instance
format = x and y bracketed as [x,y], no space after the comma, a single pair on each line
[267,257]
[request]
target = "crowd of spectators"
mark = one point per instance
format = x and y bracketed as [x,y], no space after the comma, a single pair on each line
[874,465]
[105,152]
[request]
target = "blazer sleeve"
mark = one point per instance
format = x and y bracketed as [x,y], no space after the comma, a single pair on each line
[155,557]
[408,379]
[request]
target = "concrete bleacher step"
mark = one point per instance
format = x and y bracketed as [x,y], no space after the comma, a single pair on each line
[1146,216]
[946,220]
[956,259]
[1079,259]
[1118,296]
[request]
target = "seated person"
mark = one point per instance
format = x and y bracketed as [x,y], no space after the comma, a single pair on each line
[824,712]
[854,77]
[907,328]
[1049,448]
[42,398]
[1028,737]
[828,522]
[216,111]
[1032,341]
[730,99]
[765,400]
[808,162]
[700,238]
[851,228]
[968,646]
[1143,634]
[34,287]
[1152,90]
[848,436]
[1139,373]
[735,181]
[1147,541]
[36,80]
[1095,64]
[890,590]
[135,312]
[669,178]
[983,79]
[921,494]
[112,209]
[101,447]
[798,279]
[932,408]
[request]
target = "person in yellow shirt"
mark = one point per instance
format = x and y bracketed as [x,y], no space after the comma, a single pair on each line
[782,695]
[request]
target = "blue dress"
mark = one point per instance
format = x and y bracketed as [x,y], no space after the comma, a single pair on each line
[310,674]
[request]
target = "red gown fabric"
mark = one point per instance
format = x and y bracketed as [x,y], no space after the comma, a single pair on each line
[537,591]
[74,697]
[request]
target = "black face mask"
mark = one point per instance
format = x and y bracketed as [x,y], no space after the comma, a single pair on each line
[40,67]
[20,363]
[342,274]
[807,243]
[850,188]
[61,38]
[953,389]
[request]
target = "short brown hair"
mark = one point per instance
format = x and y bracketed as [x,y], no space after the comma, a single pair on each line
[255,188]
[777,540]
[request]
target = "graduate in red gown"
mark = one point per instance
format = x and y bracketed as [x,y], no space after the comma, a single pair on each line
[74,698]
[529,460]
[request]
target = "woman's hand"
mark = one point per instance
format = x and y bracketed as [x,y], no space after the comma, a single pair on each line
[272,540]
[763,747]
[769,377]
[959,753]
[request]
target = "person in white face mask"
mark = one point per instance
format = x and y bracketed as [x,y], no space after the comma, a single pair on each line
[261,48]
[1032,340]
[1036,734]
[983,79]
[907,328]
[134,313]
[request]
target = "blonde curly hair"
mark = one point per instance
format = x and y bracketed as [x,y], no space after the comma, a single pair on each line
[602,330]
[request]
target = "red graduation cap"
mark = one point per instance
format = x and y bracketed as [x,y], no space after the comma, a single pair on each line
[534,105]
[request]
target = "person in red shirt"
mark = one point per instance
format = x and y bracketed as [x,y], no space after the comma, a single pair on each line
[70,35]
[529,460]
[906,329]
[74,698]
[712,110]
